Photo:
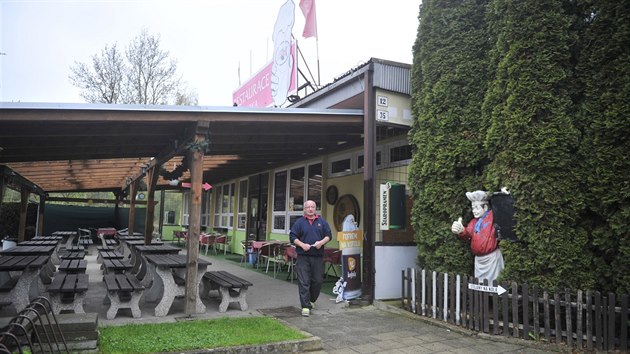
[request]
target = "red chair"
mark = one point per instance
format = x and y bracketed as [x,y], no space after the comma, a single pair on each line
[333,258]
[291,257]
[207,241]
[223,241]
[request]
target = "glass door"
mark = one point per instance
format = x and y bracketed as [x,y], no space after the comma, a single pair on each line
[257,207]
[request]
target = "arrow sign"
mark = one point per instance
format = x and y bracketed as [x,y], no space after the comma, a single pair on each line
[205,186]
[488,289]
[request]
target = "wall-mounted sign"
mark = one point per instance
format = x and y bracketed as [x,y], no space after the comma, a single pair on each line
[393,208]
[382,116]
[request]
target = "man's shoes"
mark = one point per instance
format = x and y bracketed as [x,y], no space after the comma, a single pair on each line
[306,312]
[312,305]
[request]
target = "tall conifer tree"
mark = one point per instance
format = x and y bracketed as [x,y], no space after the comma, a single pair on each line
[604,72]
[532,141]
[449,79]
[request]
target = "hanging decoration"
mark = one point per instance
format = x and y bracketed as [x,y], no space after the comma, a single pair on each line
[177,172]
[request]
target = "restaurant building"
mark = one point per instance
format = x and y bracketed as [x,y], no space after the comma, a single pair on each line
[263,206]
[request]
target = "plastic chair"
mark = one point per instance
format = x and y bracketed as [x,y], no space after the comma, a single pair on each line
[223,241]
[207,241]
[265,251]
[275,255]
[84,237]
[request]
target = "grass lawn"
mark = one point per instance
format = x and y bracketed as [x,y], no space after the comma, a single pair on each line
[191,335]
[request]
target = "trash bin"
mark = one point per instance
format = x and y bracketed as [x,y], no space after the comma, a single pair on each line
[252,257]
[9,242]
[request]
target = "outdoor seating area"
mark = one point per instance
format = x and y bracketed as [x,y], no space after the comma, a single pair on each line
[132,273]
[57,265]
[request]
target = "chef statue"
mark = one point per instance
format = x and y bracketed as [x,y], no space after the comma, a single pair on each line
[480,231]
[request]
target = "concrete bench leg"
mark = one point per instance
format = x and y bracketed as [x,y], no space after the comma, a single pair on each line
[170,290]
[76,305]
[116,303]
[226,298]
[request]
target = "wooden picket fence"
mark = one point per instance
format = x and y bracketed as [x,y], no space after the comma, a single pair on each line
[581,320]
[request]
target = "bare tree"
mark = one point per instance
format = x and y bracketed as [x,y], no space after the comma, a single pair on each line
[101,83]
[152,76]
[186,98]
[148,76]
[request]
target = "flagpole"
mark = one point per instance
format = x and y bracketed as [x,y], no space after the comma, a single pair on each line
[317,48]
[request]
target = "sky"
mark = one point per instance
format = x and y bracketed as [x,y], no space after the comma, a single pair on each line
[217,43]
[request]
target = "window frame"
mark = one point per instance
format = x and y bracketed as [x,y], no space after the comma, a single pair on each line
[338,158]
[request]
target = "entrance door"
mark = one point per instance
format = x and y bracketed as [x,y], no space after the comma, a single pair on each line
[257,207]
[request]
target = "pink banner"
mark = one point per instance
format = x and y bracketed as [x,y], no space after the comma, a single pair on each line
[256,92]
[310,26]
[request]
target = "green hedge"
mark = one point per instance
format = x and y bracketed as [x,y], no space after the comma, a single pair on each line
[532,96]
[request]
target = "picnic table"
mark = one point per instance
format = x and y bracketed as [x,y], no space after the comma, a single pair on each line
[19,272]
[169,275]
[140,266]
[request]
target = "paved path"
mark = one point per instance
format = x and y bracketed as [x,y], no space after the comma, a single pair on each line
[373,330]
[341,328]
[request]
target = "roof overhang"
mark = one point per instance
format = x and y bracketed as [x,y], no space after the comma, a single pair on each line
[98,147]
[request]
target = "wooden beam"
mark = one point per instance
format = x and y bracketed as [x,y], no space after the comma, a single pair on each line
[93,200]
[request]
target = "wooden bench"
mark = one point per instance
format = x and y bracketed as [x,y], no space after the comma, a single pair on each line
[73,265]
[231,288]
[113,265]
[76,248]
[123,291]
[108,254]
[67,292]
[73,255]
[85,242]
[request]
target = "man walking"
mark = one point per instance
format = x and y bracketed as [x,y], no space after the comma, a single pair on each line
[309,234]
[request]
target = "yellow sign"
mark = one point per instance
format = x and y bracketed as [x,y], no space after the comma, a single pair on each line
[350,239]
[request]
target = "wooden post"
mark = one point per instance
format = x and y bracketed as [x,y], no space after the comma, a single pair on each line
[40,217]
[194,225]
[24,193]
[152,177]
[369,185]
[133,187]
[161,214]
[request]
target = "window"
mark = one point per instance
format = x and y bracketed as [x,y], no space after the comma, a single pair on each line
[340,166]
[232,204]
[217,207]
[296,190]
[378,162]
[205,208]
[279,201]
[242,205]
[186,208]
[314,183]
[224,206]
[291,189]
[279,191]
[399,153]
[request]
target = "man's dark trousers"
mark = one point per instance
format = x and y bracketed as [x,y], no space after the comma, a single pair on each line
[310,275]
